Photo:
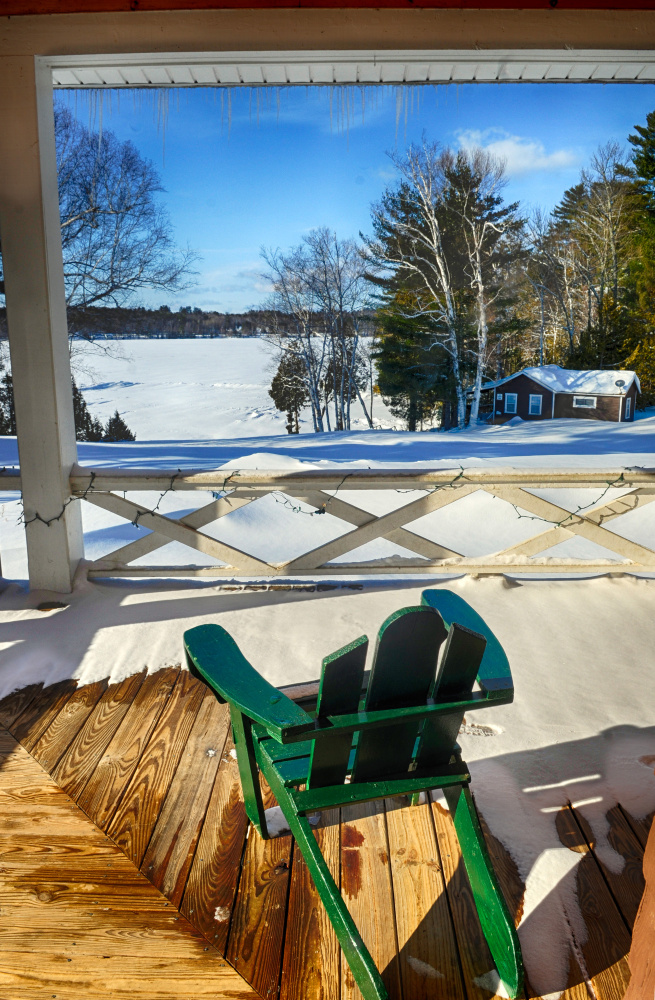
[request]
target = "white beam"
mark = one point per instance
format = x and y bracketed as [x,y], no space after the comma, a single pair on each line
[351,67]
[36,316]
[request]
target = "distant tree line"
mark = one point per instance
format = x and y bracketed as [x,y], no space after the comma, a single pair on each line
[133,323]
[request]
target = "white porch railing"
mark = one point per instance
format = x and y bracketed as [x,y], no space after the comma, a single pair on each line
[320,489]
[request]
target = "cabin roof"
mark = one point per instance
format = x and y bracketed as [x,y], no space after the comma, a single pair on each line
[569,380]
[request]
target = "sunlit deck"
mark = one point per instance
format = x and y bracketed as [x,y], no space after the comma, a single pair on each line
[145,886]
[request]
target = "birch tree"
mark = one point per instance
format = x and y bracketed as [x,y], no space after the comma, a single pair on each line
[491,241]
[444,235]
[410,251]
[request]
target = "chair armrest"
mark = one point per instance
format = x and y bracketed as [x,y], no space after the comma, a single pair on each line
[494,675]
[335,725]
[214,657]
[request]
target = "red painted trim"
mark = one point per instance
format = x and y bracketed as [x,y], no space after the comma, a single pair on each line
[13,8]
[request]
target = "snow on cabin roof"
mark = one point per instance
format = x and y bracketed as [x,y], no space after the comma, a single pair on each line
[598,382]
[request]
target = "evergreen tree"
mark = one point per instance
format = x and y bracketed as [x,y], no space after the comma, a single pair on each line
[289,390]
[642,174]
[414,375]
[642,361]
[87,428]
[117,429]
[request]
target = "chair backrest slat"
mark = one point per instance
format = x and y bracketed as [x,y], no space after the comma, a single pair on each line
[339,693]
[455,679]
[402,674]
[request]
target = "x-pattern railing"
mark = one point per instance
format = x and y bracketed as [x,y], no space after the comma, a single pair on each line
[321,490]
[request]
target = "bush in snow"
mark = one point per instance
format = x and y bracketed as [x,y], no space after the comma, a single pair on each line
[117,429]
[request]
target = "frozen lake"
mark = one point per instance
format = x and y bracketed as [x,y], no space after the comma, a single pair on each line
[193,389]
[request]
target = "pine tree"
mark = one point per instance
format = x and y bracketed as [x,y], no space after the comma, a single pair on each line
[414,374]
[289,389]
[117,429]
[87,428]
[642,361]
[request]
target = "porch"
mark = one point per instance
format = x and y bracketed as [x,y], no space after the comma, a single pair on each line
[140,856]
[149,785]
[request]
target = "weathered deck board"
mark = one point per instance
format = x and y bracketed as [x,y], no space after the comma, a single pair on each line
[256,937]
[63,729]
[81,758]
[14,704]
[214,877]
[429,964]
[475,957]
[105,787]
[626,885]
[366,887]
[133,822]
[311,968]
[173,842]
[641,827]
[139,765]
[607,939]
[32,723]
[75,938]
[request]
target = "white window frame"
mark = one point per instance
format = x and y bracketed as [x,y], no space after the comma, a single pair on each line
[511,396]
[535,396]
[591,405]
[628,407]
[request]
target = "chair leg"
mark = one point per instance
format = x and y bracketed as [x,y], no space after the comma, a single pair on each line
[248,771]
[356,953]
[495,918]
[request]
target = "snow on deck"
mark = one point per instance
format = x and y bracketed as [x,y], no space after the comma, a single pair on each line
[582,727]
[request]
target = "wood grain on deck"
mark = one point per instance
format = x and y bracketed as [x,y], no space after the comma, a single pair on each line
[150,763]
[78,920]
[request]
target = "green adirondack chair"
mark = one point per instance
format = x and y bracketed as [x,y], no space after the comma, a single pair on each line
[398,737]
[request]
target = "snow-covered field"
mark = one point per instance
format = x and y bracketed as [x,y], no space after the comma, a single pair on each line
[582,727]
[194,389]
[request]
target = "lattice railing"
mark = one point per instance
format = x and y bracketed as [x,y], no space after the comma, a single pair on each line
[324,489]
[321,490]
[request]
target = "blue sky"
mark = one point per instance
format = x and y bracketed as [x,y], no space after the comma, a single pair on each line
[281,164]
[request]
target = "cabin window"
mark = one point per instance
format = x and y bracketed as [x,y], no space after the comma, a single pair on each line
[588,401]
[510,402]
[535,405]
[628,407]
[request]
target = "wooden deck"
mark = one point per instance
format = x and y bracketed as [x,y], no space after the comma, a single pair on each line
[149,762]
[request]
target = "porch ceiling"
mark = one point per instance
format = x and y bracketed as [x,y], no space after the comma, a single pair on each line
[234,69]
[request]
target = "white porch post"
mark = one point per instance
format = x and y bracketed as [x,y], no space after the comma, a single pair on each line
[36,316]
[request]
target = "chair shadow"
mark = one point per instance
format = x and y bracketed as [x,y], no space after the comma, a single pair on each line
[559,951]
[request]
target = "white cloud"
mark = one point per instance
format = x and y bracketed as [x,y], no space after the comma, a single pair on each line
[521,155]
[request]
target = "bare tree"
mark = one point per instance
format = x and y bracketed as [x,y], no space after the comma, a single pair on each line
[321,286]
[294,298]
[580,255]
[337,277]
[116,237]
